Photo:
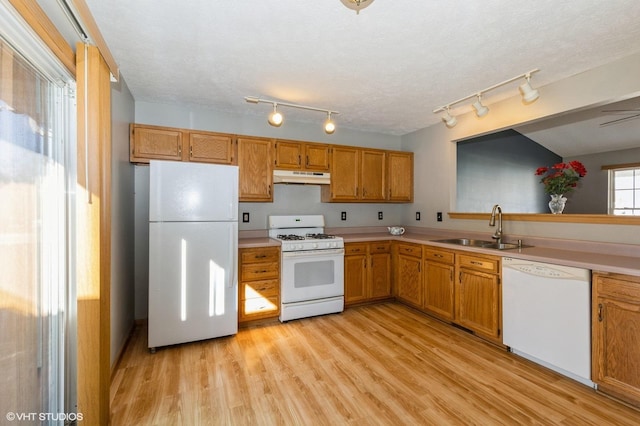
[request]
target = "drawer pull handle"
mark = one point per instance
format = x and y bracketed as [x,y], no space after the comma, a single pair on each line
[438,255]
[260,256]
[261,271]
[473,262]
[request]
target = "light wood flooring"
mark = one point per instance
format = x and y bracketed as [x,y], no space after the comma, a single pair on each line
[382,364]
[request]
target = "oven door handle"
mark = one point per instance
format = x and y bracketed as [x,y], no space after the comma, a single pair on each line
[305,253]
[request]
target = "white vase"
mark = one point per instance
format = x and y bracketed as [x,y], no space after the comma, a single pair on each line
[556,205]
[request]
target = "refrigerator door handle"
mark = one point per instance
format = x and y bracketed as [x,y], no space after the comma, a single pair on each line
[234,256]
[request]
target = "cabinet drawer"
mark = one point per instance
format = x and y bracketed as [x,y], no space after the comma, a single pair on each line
[479,263]
[355,248]
[617,286]
[259,307]
[410,250]
[261,254]
[260,271]
[379,247]
[261,288]
[439,256]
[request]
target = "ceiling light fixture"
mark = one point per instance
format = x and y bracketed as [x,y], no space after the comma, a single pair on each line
[276,118]
[529,95]
[481,110]
[356,5]
[448,119]
[329,125]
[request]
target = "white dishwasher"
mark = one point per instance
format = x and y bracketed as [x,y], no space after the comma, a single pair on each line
[546,315]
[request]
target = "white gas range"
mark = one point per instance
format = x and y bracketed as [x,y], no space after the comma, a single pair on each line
[312,267]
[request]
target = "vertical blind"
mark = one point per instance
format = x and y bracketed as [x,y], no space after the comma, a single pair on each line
[37,177]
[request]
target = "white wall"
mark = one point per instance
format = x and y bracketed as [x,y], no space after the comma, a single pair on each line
[122,227]
[435,153]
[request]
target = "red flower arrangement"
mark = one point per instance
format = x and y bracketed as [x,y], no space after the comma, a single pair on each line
[562,177]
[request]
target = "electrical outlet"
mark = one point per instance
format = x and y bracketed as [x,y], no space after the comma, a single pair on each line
[245,217]
[379,215]
[439,216]
[417,215]
[343,216]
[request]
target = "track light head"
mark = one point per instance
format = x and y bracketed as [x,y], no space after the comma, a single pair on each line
[275,118]
[448,119]
[329,125]
[481,110]
[529,94]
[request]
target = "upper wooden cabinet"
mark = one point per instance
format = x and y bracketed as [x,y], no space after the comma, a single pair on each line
[356,175]
[369,175]
[211,148]
[155,143]
[400,176]
[294,155]
[255,169]
[372,175]
[166,143]
[345,175]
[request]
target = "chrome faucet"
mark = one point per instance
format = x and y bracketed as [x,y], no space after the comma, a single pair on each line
[492,222]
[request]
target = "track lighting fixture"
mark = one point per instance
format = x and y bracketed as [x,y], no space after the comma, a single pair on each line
[481,110]
[529,95]
[448,119]
[329,126]
[356,5]
[276,119]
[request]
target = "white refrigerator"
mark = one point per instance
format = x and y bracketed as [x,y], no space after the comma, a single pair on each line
[193,245]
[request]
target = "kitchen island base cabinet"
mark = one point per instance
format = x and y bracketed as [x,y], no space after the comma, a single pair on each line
[259,283]
[367,272]
[616,335]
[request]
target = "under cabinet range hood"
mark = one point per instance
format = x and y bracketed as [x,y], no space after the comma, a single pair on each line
[309,178]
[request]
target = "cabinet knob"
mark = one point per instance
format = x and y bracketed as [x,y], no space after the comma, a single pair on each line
[600,312]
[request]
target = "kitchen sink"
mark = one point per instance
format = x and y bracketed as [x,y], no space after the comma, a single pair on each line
[480,243]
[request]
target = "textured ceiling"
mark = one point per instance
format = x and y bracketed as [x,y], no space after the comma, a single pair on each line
[385,69]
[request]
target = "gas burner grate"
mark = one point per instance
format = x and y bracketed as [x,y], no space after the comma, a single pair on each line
[321,236]
[290,237]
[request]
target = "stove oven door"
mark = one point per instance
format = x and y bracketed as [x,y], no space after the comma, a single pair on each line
[312,274]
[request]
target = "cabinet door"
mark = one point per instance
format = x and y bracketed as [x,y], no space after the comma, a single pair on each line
[477,302]
[616,336]
[210,148]
[373,175]
[438,289]
[289,155]
[255,171]
[153,142]
[400,176]
[380,275]
[345,172]
[355,278]
[409,280]
[316,157]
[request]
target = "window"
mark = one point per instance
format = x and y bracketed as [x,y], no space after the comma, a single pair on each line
[624,193]
[37,180]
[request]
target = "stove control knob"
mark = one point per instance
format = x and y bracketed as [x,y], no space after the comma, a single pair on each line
[333,245]
[298,246]
[314,245]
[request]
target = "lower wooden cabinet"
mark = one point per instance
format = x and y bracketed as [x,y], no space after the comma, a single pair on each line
[259,283]
[439,269]
[616,335]
[408,269]
[478,297]
[367,272]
